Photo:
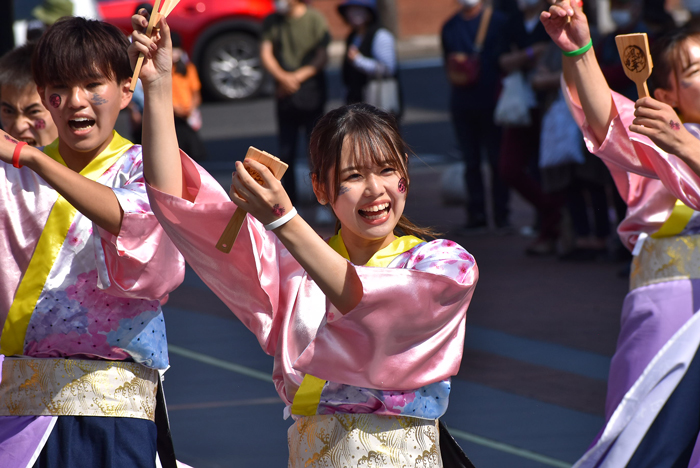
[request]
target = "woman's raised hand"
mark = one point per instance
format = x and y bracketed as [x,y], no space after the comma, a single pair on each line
[662,125]
[267,202]
[157,49]
[566,25]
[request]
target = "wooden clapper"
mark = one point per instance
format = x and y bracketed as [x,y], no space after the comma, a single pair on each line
[277,167]
[636,59]
[159,11]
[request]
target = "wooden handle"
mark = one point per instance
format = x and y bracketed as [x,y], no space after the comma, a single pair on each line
[277,168]
[642,90]
[230,234]
[149,31]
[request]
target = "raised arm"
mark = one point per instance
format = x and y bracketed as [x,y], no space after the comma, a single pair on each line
[582,74]
[161,153]
[335,276]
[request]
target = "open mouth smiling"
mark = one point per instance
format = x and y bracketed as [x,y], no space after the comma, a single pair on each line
[81,123]
[375,212]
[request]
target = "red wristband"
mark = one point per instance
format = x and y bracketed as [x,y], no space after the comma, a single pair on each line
[15,155]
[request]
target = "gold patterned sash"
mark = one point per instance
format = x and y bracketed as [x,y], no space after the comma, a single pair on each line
[359,440]
[666,259]
[74,387]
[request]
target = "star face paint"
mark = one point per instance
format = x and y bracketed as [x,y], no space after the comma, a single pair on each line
[403,185]
[40,124]
[55,101]
[98,100]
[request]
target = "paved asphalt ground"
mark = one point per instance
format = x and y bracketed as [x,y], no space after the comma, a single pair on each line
[540,332]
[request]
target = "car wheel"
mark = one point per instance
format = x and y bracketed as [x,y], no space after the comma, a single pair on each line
[231,67]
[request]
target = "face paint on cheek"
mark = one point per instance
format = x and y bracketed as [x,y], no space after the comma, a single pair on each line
[403,185]
[343,190]
[55,101]
[98,100]
[40,124]
[686,84]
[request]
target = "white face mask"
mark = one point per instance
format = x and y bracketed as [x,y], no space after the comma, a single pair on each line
[621,18]
[282,6]
[469,3]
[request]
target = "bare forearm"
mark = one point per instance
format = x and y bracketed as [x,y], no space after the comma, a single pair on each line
[690,154]
[270,62]
[161,154]
[594,94]
[94,200]
[334,275]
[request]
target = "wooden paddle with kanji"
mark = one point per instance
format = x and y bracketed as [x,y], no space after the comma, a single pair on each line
[277,168]
[636,59]
[159,11]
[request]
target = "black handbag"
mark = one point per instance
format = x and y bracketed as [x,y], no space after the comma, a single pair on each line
[451,453]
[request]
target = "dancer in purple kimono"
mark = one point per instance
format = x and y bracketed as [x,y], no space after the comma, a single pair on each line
[366,328]
[652,408]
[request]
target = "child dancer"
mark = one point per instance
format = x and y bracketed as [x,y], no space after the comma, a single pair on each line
[652,409]
[84,268]
[22,114]
[365,329]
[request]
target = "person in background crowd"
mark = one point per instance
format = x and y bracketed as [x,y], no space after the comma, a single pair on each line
[187,98]
[47,14]
[370,48]
[293,51]
[472,104]
[582,184]
[22,113]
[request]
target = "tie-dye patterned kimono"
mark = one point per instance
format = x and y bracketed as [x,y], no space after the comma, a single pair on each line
[365,387]
[69,289]
[660,332]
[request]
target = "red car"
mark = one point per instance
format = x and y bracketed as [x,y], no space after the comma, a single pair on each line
[222,37]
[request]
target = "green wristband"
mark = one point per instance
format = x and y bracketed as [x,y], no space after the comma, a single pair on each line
[580,51]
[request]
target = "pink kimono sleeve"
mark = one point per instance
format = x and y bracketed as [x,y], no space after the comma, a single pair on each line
[141,262]
[247,279]
[632,152]
[408,330]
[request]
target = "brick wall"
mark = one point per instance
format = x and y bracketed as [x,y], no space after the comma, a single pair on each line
[416,17]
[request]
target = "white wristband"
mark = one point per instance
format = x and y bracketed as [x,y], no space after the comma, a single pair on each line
[281,221]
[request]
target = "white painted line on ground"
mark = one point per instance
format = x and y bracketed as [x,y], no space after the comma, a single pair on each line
[475,439]
[219,363]
[545,460]
[222,404]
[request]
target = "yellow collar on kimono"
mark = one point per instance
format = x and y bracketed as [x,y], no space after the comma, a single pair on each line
[308,396]
[96,167]
[48,248]
[383,257]
[676,222]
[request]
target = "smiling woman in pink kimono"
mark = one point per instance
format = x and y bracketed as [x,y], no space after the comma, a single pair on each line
[652,407]
[366,328]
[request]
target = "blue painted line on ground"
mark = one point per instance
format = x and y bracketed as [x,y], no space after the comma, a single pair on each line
[587,364]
